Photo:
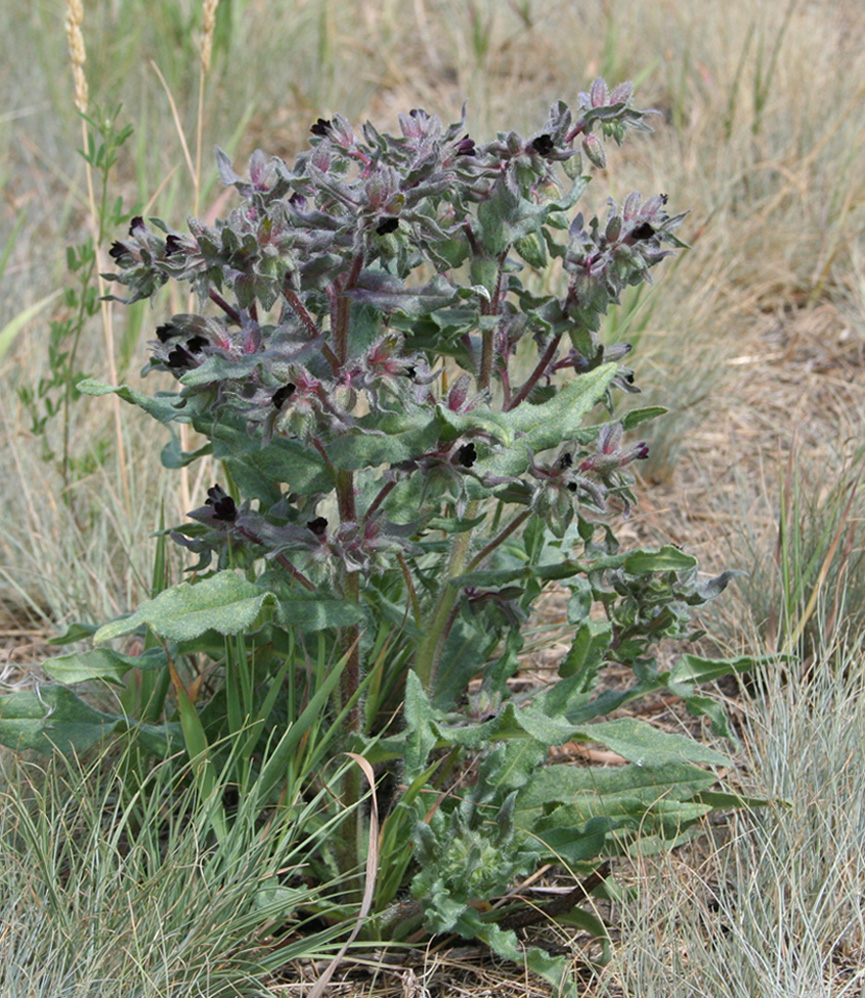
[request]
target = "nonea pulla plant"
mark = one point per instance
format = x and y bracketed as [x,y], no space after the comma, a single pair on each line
[413,440]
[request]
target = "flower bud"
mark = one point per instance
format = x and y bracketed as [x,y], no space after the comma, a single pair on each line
[594,150]
[459,393]
[632,206]
[622,93]
[598,93]
[532,249]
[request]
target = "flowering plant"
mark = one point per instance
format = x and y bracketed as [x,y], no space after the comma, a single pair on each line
[413,446]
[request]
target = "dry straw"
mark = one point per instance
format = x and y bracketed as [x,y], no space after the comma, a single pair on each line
[77,54]
[208,25]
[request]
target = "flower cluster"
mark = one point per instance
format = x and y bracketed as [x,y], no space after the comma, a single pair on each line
[339,291]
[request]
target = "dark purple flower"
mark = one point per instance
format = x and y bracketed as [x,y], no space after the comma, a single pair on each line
[321,127]
[180,358]
[223,505]
[195,344]
[543,145]
[467,455]
[172,244]
[465,147]
[167,331]
[386,225]
[282,394]
[643,231]
[318,526]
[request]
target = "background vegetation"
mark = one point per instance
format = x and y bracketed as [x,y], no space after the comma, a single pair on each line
[754,338]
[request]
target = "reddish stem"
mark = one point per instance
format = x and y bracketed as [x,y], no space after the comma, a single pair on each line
[533,378]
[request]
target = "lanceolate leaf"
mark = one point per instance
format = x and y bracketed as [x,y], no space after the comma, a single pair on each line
[51,717]
[224,603]
[101,663]
[613,792]
[641,743]
[164,406]
[634,417]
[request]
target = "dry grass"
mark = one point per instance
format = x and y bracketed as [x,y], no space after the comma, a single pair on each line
[755,338]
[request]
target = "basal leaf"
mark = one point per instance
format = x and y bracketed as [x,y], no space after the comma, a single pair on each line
[645,745]
[49,718]
[101,663]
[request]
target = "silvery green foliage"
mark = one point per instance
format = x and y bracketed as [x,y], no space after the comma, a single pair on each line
[339,285]
[399,491]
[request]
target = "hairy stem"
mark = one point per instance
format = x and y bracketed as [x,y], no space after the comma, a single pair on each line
[295,573]
[430,652]
[538,372]
[499,539]
[229,310]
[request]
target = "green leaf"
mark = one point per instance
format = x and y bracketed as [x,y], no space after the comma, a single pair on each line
[258,471]
[101,663]
[635,417]
[419,718]
[164,406]
[309,612]
[537,428]
[49,718]
[159,740]
[571,844]
[224,603]
[642,743]
[556,970]
[389,294]
[722,799]
[173,455]
[547,425]
[454,424]
[586,654]
[75,632]
[695,669]
[667,559]
[615,792]
[385,439]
